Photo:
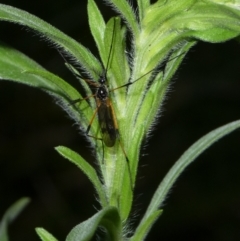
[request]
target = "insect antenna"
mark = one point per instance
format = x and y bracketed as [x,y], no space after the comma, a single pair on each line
[110,52]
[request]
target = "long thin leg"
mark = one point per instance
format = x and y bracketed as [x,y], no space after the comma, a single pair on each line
[89,127]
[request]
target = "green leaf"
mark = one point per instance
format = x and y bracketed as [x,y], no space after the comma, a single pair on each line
[54,84]
[187,158]
[97,26]
[210,22]
[13,64]
[65,94]
[45,235]
[124,8]
[107,218]
[10,215]
[118,70]
[86,168]
[167,24]
[155,94]
[18,67]
[216,35]
[142,232]
[61,40]
[152,97]
[159,15]
[142,6]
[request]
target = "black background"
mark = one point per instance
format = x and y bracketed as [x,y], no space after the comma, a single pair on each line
[204,203]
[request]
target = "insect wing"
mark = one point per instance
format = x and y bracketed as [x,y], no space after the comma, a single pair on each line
[107,125]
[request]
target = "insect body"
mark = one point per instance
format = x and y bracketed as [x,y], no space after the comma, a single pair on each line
[106,115]
[107,120]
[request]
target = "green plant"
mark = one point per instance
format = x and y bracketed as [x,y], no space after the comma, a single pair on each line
[165,30]
[10,215]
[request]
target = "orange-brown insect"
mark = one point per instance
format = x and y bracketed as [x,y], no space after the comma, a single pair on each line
[106,115]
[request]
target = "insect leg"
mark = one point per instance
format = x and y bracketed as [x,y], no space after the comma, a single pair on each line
[89,127]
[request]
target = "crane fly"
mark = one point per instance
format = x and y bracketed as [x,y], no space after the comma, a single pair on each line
[104,108]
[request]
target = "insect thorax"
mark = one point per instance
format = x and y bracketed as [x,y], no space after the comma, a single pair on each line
[102,93]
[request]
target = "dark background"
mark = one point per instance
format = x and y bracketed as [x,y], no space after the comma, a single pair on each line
[204,203]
